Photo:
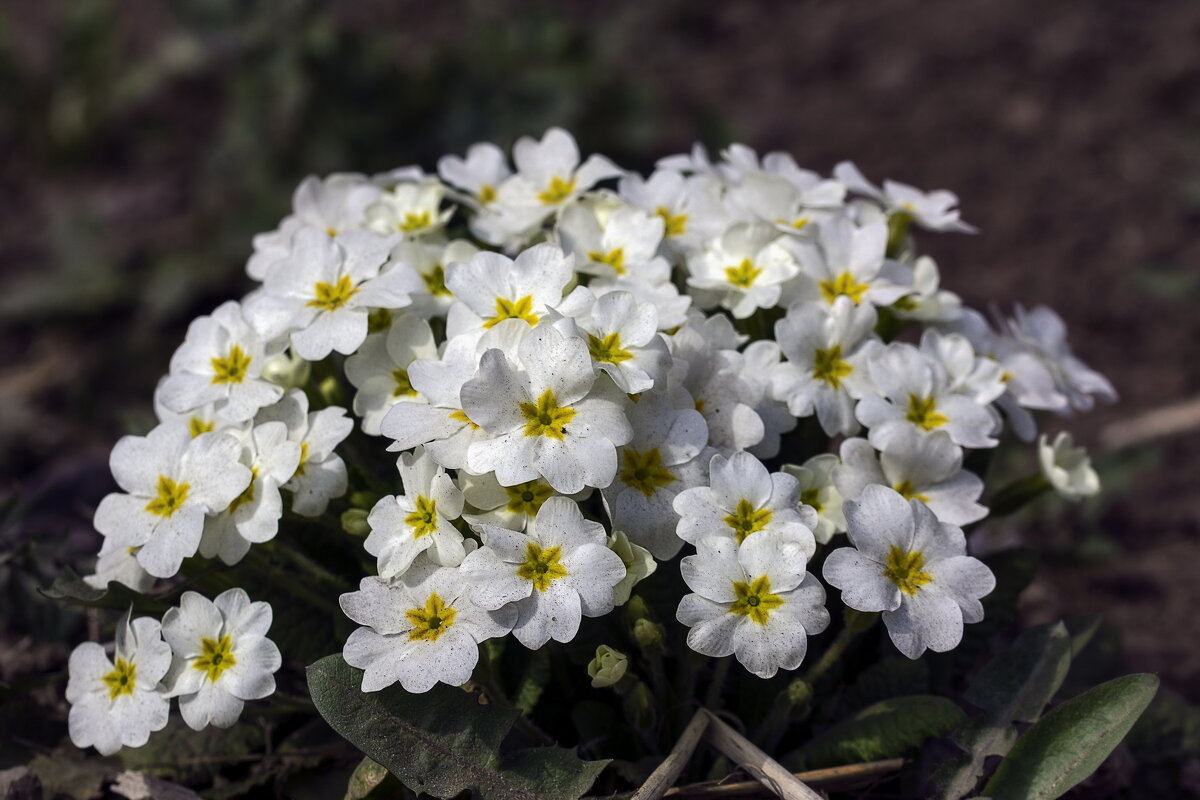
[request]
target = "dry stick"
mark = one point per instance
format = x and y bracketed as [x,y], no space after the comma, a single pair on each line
[850,775]
[1159,423]
[755,762]
[672,766]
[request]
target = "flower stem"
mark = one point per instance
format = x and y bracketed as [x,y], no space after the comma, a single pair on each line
[712,698]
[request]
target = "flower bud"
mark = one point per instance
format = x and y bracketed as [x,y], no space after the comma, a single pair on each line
[649,635]
[354,522]
[608,667]
[798,693]
[331,391]
[287,370]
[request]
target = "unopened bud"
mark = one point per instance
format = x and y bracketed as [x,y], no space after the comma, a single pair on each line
[331,391]
[636,609]
[608,667]
[354,522]
[798,693]
[287,370]
[649,635]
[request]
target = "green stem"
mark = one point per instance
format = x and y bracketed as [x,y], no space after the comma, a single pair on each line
[712,698]
[830,656]
[1016,495]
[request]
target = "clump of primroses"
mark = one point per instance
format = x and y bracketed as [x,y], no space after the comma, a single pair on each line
[585,375]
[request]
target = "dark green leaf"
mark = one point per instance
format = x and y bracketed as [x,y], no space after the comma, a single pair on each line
[1070,742]
[884,730]
[445,741]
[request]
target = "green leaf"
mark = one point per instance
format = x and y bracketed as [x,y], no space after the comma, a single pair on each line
[444,741]
[181,754]
[365,779]
[884,730]
[71,773]
[69,587]
[1070,742]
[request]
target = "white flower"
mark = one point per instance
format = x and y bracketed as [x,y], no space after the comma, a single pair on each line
[420,631]
[848,260]
[221,656]
[653,286]
[116,703]
[622,337]
[638,561]
[925,467]
[912,568]
[119,563]
[426,262]
[507,506]
[553,419]
[484,169]
[619,244]
[665,456]
[1067,468]
[549,174]
[1043,333]
[928,302]
[689,207]
[819,492]
[418,521]
[935,211]
[220,362]
[410,208]
[171,480]
[557,572]
[325,289]
[492,288]
[379,370]
[978,377]
[755,365]
[915,393]
[332,205]
[253,516]
[754,601]
[743,500]
[320,474]
[790,200]
[744,270]
[828,349]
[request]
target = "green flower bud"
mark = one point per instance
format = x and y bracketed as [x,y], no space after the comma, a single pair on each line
[798,693]
[331,391]
[287,370]
[649,635]
[637,609]
[608,667]
[354,522]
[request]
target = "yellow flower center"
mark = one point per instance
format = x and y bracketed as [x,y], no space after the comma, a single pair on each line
[673,224]
[404,388]
[811,497]
[424,519]
[558,191]
[922,412]
[332,296]
[521,308]
[746,519]
[905,570]
[608,349]
[527,498]
[487,194]
[755,600]
[197,426]
[303,460]
[432,621]
[415,221]
[743,275]
[542,566]
[700,404]
[546,417]
[843,284]
[613,258]
[644,471]
[435,281]
[906,490]
[379,320]
[829,367]
[122,679]
[170,498]
[232,368]
[216,657]
[461,416]
[797,224]
[246,496]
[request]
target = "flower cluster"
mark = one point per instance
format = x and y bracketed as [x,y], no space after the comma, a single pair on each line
[584,371]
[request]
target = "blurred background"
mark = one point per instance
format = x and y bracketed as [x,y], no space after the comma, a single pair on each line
[143,143]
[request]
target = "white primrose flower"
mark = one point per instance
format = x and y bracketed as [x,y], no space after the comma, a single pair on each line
[553,419]
[555,573]
[690,207]
[1043,333]
[744,270]
[912,568]
[115,702]
[848,260]
[418,631]
[418,521]
[320,474]
[610,243]
[221,656]
[220,363]
[1067,468]
[755,366]
[743,500]
[652,285]
[119,563]
[479,174]
[510,507]
[410,208]
[622,337]
[935,211]
[928,302]
[171,480]
[819,492]
[379,370]
[978,377]
[324,291]
[333,205]
[753,601]
[925,467]
[253,516]
[492,288]
[425,261]
[639,565]
[549,175]
[828,349]
[915,393]
[789,201]
[204,419]
[666,455]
